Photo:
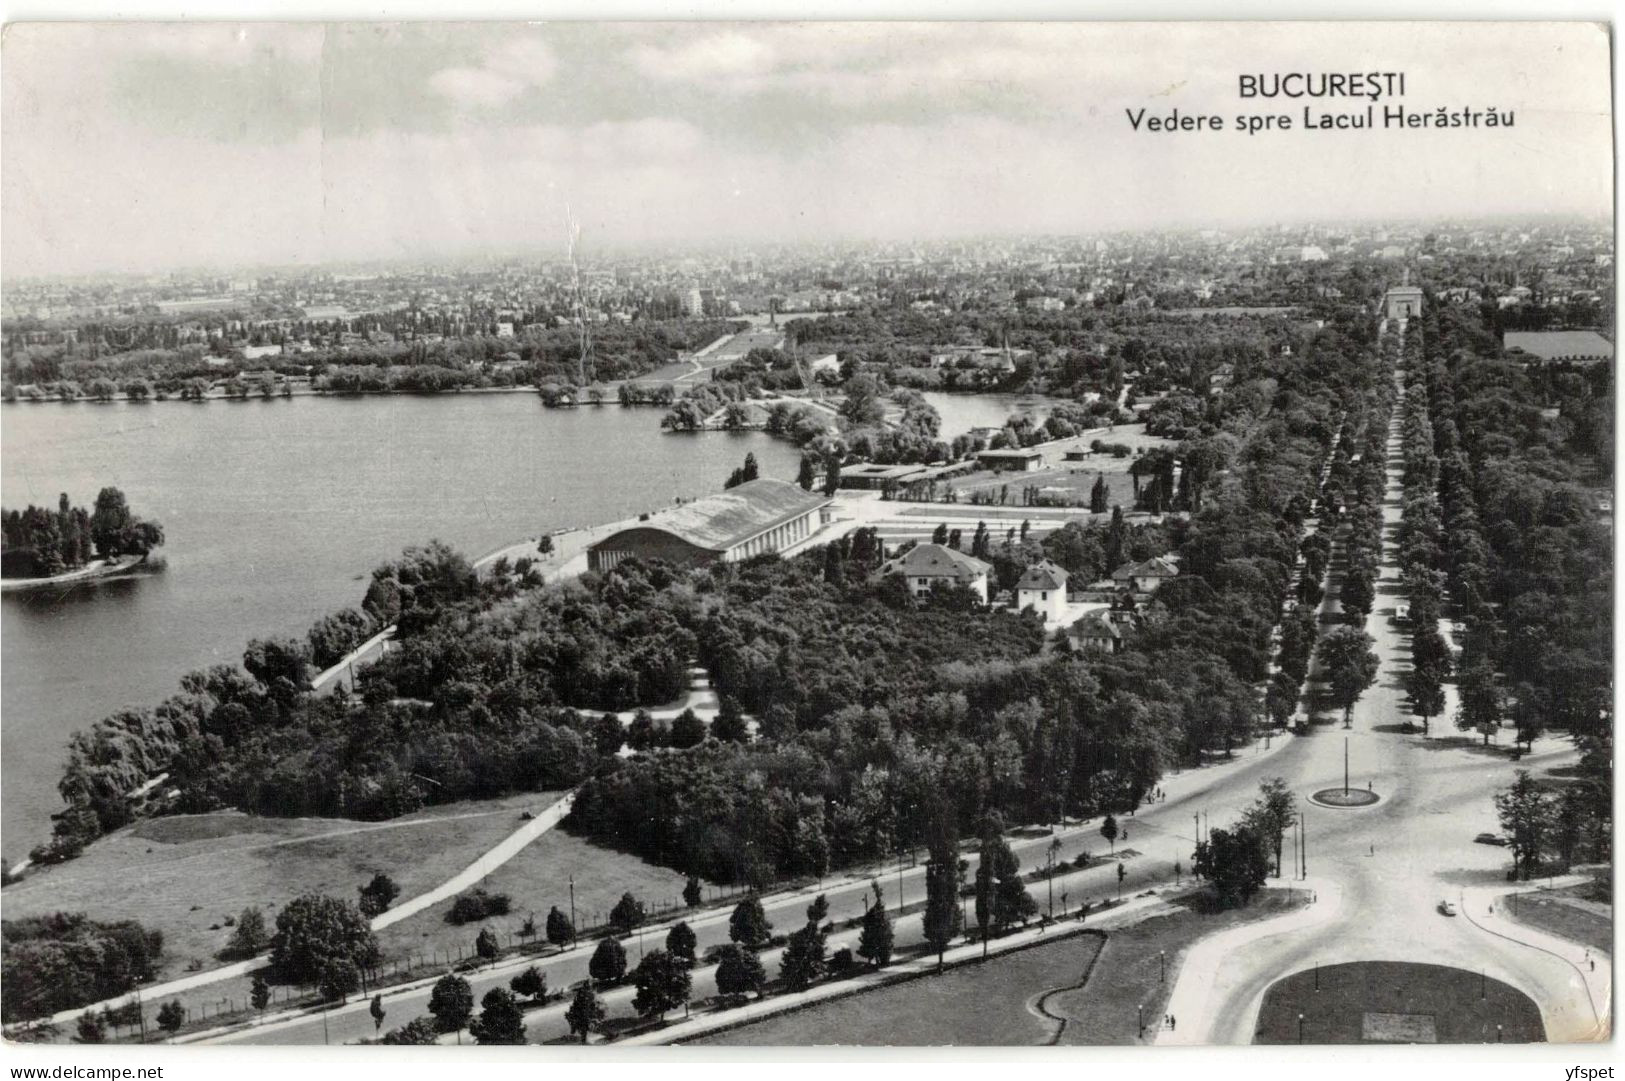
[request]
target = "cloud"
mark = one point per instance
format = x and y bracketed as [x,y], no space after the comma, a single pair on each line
[724,57]
[476,86]
[505,72]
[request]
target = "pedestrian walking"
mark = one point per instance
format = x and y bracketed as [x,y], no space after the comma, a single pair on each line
[1173,1022]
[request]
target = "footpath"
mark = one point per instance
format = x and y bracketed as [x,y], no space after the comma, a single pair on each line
[1487,909]
[1197,974]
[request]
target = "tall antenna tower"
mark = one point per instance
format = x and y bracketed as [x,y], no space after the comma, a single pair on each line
[583,332]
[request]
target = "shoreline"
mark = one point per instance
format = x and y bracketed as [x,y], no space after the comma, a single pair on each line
[96,571]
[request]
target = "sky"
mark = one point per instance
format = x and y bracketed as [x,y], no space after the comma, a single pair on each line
[139,147]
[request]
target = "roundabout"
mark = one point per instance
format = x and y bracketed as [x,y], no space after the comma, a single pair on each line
[1344,798]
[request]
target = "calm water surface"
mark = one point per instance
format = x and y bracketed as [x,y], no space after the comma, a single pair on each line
[962,412]
[275,512]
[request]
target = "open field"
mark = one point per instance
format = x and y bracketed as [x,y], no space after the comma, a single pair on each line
[1021,998]
[184,874]
[536,879]
[1396,1002]
[1566,913]
[980,1005]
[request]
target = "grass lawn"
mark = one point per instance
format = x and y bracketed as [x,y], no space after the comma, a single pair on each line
[1129,977]
[184,874]
[1396,1002]
[536,879]
[981,1005]
[1019,999]
[1566,913]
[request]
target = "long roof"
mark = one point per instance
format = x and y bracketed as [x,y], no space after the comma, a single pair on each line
[719,522]
[1557,344]
[936,561]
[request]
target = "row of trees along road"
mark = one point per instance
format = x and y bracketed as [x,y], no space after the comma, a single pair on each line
[1352,498]
[1523,455]
[1421,543]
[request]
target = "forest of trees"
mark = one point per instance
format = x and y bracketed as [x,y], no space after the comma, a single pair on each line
[1514,543]
[54,963]
[869,712]
[866,698]
[36,542]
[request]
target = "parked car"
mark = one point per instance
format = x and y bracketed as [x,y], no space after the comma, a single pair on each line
[1446,908]
[1490,839]
[1402,613]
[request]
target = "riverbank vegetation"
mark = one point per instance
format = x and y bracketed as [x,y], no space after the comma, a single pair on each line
[340,360]
[36,542]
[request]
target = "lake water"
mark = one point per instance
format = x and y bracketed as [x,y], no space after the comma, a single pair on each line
[275,512]
[962,412]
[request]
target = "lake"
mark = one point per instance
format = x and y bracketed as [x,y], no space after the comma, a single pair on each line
[962,412]
[275,513]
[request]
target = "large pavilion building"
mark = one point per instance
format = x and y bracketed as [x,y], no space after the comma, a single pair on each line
[754,518]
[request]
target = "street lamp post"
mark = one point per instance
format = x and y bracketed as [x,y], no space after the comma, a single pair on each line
[1140,1012]
[572,909]
[1303,831]
[1162,963]
[899,881]
[1300,1028]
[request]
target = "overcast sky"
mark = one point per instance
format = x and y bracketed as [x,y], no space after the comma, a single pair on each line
[135,147]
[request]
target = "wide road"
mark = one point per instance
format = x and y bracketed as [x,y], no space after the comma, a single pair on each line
[1394,862]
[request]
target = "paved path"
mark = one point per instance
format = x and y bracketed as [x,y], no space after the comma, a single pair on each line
[493,858]
[1192,996]
[1593,976]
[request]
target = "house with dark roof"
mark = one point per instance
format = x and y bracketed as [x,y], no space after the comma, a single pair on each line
[1147,576]
[754,518]
[926,565]
[1042,588]
[1097,631]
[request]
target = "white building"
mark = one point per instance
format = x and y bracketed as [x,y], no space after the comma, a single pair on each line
[926,565]
[1043,589]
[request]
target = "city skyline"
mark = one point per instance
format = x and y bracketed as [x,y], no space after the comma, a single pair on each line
[303,144]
